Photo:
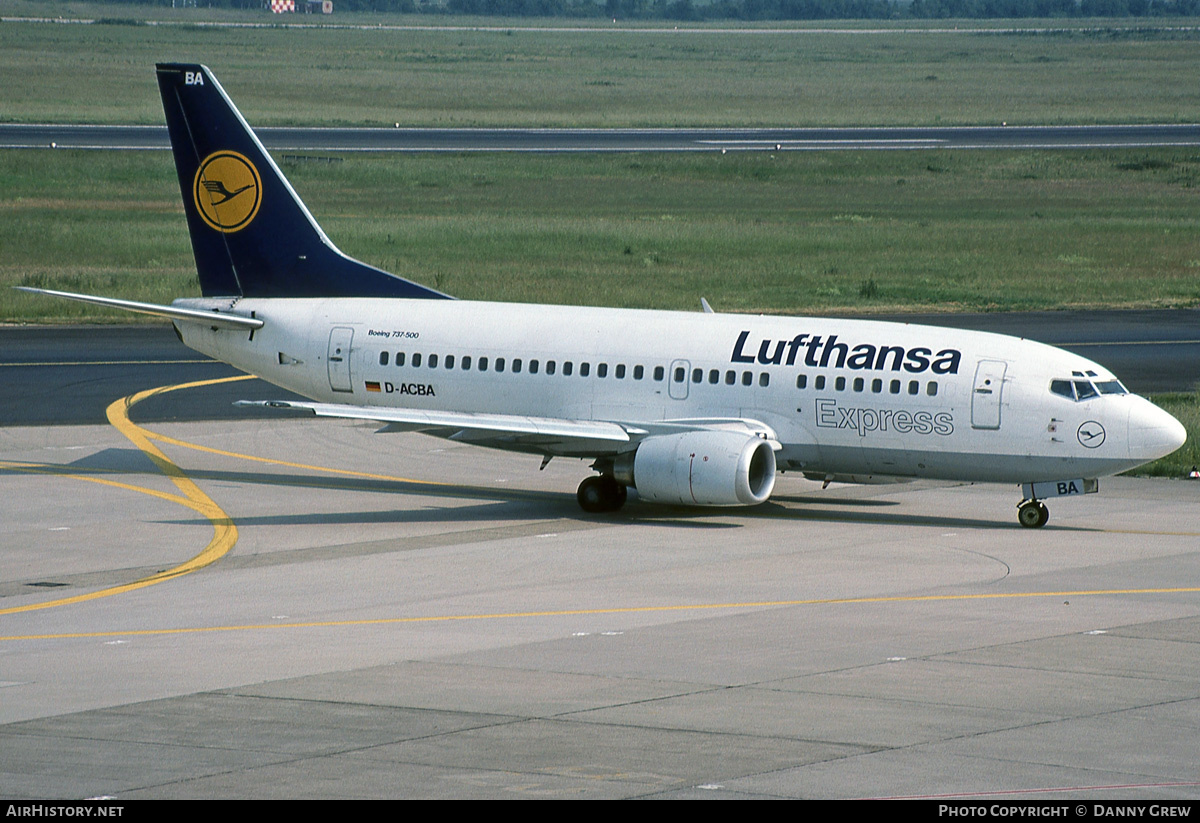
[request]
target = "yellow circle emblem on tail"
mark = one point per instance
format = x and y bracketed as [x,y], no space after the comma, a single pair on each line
[227,191]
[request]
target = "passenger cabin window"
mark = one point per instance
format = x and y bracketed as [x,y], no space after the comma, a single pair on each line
[416,360]
[680,374]
[499,364]
[466,362]
[840,383]
[483,364]
[602,370]
[730,377]
[764,379]
[932,389]
[383,358]
[819,383]
[568,368]
[714,376]
[747,378]
[620,371]
[433,361]
[585,369]
[533,367]
[858,384]
[550,367]
[697,375]
[801,381]
[638,371]
[399,358]
[516,365]
[449,361]
[658,373]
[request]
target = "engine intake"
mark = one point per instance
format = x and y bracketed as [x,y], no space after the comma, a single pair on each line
[700,468]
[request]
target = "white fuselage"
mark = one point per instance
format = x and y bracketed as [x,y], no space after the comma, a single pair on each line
[845,398]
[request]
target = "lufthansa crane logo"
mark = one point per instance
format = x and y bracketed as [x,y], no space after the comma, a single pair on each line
[1090,434]
[227,191]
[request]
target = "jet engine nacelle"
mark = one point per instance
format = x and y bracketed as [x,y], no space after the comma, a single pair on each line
[701,468]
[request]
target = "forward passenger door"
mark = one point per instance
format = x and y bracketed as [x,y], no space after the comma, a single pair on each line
[988,394]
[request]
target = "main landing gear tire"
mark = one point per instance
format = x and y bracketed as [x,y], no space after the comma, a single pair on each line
[1032,514]
[601,494]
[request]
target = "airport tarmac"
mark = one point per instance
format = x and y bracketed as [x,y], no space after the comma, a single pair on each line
[298,608]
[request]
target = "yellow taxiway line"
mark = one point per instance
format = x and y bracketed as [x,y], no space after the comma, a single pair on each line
[225,533]
[762,604]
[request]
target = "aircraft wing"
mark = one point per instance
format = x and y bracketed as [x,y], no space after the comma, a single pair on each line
[543,435]
[508,430]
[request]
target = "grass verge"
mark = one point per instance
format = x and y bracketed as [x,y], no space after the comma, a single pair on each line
[604,75]
[1185,406]
[786,232]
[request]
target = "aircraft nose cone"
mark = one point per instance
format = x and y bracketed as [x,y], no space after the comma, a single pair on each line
[1152,432]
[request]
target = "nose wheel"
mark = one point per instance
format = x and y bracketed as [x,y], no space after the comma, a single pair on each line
[1032,514]
[601,493]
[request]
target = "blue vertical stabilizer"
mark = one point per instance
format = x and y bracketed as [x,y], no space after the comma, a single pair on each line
[251,234]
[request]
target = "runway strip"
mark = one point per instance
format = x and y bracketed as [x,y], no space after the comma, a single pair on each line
[884,138]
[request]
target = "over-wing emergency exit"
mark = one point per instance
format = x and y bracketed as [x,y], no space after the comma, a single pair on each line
[686,408]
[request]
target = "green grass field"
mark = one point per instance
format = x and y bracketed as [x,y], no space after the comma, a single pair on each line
[786,232]
[819,74]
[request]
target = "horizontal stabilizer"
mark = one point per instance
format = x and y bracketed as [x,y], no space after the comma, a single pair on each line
[207,318]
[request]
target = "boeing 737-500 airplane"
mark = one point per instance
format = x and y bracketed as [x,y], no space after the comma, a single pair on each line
[687,408]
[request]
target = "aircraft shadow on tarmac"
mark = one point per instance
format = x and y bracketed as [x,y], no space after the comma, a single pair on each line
[514,504]
[541,506]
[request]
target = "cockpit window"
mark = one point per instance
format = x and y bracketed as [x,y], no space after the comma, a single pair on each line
[1077,389]
[1063,387]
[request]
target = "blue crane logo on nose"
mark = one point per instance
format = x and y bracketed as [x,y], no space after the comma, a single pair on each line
[1091,435]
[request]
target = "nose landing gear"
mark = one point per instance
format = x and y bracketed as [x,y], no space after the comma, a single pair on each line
[1032,514]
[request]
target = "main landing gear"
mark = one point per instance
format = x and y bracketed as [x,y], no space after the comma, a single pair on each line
[1032,514]
[601,493]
